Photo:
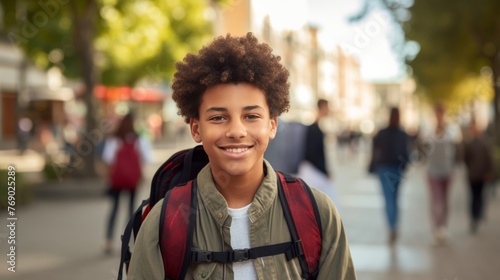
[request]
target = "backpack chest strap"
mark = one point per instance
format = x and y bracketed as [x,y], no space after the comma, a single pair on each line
[290,249]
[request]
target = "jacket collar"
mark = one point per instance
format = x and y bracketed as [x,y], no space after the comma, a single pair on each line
[217,206]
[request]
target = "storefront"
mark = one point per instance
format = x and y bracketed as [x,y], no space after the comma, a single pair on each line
[145,102]
[8,104]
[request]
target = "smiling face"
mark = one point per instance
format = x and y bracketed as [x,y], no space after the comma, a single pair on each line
[235,128]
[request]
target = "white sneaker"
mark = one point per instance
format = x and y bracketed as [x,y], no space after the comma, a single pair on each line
[440,236]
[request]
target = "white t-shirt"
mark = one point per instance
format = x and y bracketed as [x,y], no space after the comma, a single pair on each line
[240,239]
[442,151]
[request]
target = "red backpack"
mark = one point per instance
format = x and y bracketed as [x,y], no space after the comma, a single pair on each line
[175,182]
[125,172]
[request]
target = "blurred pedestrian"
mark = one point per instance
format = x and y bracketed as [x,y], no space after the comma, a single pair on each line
[315,147]
[344,142]
[314,168]
[441,160]
[479,162]
[124,153]
[25,126]
[389,161]
[155,123]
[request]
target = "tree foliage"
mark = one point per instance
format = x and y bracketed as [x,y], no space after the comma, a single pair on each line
[457,39]
[459,48]
[132,38]
[112,42]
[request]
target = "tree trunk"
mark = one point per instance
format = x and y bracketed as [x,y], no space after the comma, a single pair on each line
[84,34]
[496,98]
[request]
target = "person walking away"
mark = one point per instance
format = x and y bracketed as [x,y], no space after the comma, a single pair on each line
[314,168]
[315,146]
[125,153]
[441,160]
[232,92]
[391,155]
[479,162]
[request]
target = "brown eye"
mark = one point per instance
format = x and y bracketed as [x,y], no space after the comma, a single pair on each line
[252,116]
[217,118]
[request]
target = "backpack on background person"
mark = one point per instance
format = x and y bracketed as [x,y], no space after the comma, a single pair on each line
[125,171]
[175,182]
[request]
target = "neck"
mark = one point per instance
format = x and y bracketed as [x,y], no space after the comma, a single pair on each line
[240,190]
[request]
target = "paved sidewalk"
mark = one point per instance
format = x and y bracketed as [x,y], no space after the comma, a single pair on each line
[60,235]
[62,238]
[414,257]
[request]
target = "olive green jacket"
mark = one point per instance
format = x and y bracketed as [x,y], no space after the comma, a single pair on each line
[268,226]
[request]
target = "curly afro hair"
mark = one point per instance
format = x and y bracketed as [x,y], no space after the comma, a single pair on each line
[231,60]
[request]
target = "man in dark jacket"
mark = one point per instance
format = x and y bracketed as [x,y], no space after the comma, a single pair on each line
[315,148]
[479,163]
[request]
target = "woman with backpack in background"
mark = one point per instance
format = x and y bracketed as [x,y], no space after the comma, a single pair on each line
[125,153]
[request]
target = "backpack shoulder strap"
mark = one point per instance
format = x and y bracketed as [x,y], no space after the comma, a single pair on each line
[177,221]
[133,226]
[302,216]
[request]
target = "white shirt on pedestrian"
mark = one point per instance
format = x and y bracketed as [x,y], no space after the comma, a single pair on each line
[442,149]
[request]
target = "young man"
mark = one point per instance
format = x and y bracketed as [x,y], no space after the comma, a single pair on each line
[232,93]
[315,146]
[314,168]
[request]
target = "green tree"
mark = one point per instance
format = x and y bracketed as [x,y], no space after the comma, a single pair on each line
[459,42]
[112,42]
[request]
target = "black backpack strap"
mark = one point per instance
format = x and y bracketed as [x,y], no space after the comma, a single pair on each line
[239,255]
[186,169]
[302,216]
[133,225]
[177,222]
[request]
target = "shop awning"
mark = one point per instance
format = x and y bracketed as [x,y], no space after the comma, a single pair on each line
[128,93]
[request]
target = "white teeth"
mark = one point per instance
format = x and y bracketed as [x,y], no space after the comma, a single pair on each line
[237,150]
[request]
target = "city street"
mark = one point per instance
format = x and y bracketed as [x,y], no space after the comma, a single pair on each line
[414,257]
[61,237]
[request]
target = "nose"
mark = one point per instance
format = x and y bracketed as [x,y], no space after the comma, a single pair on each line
[236,129]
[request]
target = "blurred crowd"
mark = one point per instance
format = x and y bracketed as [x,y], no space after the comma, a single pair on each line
[442,149]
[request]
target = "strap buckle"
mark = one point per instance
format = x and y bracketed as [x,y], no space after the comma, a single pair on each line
[240,255]
[202,256]
[299,250]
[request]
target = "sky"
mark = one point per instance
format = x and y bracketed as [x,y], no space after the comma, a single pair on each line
[368,40]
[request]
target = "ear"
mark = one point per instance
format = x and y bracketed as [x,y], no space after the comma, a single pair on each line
[274,127]
[194,126]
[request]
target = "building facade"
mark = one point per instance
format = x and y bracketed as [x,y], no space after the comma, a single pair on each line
[29,93]
[316,71]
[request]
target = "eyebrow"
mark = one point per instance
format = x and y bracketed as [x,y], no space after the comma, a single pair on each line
[222,109]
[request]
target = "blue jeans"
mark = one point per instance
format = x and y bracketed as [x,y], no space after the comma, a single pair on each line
[390,178]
